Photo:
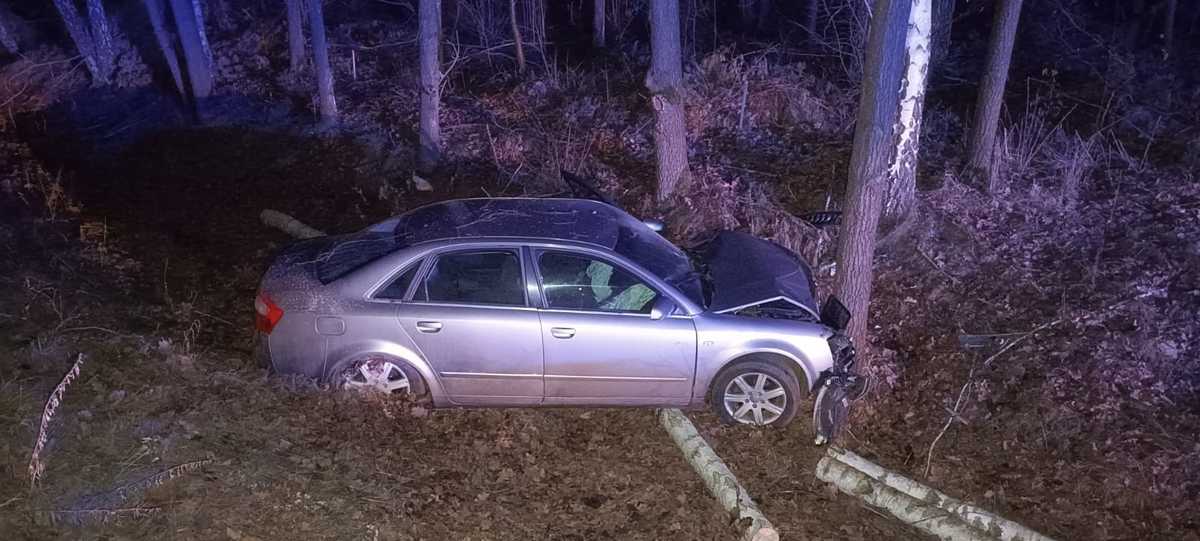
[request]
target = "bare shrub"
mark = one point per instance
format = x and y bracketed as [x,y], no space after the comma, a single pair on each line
[35,80]
[37,466]
[1073,160]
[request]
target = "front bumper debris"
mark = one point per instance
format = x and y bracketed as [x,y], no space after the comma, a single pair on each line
[836,389]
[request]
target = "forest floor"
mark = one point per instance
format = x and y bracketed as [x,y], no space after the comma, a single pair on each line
[135,241]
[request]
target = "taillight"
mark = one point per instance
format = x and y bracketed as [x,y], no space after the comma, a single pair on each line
[266,314]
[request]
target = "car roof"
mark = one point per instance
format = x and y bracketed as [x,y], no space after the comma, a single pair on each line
[578,220]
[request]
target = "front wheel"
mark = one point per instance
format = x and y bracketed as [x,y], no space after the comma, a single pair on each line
[756,393]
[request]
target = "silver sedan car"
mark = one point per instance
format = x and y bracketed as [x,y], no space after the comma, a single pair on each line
[555,302]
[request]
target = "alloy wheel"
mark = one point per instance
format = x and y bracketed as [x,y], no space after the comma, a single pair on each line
[377,375]
[754,398]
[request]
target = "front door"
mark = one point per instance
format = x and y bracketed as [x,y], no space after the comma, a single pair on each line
[471,321]
[600,344]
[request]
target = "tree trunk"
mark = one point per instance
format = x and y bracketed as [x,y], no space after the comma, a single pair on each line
[7,40]
[295,22]
[198,14]
[991,92]
[875,138]
[193,52]
[293,227]
[101,38]
[598,20]
[1169,28]
[516,32]
[325,97]
[665,83]
[78,30]
[943,26]
[430,31]
[810,19]
[902,175]
[154,9]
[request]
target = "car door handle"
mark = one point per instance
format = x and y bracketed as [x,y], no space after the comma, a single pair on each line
[429,326]
[562,332]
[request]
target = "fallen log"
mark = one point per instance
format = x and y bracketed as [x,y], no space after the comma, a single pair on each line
[289,225]
[716,475]
[921,506]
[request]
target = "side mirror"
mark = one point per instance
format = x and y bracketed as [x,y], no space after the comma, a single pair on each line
[661,308]
[834,314]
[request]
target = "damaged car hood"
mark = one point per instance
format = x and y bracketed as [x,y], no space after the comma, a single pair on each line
[746,271]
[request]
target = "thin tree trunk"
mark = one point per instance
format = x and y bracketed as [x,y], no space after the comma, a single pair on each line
[902,175]
[325,97]
[516,32]
[154,9]
[430,38]
[193,53]
[198,14]
[991,92]
[101,38]
[78,30]
[598,20]
[7,40]
[810,19]
[665,83]
[875,140]
[1169,28]
[943,27]
[295,22]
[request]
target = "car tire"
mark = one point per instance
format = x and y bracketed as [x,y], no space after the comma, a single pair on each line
[755,392]
[339,377]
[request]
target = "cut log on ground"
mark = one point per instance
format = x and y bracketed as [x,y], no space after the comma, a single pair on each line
[289,225]
[716,475]
[918,505]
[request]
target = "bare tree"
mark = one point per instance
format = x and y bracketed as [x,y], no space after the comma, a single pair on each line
[7,40]
[295,22]
[154,9]
[598,19]
[98,59]
[516,32]
[875,140]
[665,83]
[991,91]
[902,174]
[429,40]
[188,29]
[320,47]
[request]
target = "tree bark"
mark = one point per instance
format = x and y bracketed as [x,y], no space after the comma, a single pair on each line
[943,27]
[199,75]
[154,10]
[717,477]
[101,38]
[516,32]
[902,175]
[1169,28]
[430,23]
[7,40]
[991,92]
[293,227]
[202,34]
[875,138]
[665,83]
[295,22]
[810,19]
[325,97]
[77,28]
[598,20]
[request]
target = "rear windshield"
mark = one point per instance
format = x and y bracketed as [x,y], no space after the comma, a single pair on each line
[352,252]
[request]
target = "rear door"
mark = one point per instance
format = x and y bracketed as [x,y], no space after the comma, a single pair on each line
[471,319]
[600,344]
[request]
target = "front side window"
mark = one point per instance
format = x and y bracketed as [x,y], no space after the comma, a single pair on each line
[491,277]
[576,282]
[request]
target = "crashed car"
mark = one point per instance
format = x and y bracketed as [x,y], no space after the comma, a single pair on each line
[554,302]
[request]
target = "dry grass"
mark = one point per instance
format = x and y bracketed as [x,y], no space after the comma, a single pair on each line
[37,466]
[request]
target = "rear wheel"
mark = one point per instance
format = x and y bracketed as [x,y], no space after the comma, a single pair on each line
[381,375]
[757,393]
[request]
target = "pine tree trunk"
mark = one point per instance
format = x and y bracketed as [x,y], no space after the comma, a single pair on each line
[665,83]
[598,20]
[7,40]
[875,138]
[154,9]
[902,175]
[101,38]
[516,32]
[430,38]
[295,22]
[991,92]
[325,97]
[78,30]
[193,53]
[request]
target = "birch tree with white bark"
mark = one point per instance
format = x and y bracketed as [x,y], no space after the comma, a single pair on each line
[91,35]
[902,173]
[665,83]
[430,40]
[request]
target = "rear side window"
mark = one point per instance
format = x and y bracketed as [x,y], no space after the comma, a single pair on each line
[395,291]
[491,277]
